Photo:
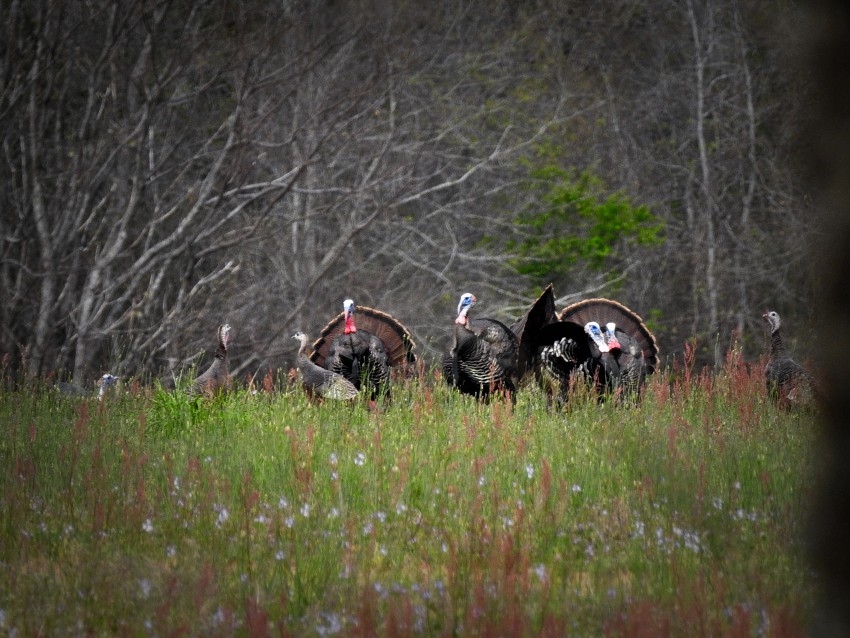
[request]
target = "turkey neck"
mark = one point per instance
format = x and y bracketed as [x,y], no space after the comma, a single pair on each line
[463,335]
[221,350]
[301,348]
[777,345]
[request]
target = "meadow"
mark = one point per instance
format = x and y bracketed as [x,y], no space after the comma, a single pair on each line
[259,514]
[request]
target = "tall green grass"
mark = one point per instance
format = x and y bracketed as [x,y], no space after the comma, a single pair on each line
[260,514]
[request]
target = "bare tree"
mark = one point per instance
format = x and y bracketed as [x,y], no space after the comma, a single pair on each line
[170,166]
[705,139]
[127,171]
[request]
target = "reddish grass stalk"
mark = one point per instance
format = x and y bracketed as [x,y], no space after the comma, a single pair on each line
[256,619]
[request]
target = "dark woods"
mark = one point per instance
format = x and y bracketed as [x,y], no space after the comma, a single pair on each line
[827,59]
[170,167]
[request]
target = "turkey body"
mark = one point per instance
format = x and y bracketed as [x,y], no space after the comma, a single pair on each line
[365,352]
[482,354]
[319,382]
[563,354]
[603,341]
[216,378]
[788,382]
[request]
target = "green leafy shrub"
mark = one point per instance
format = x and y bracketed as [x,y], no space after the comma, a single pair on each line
[574,221]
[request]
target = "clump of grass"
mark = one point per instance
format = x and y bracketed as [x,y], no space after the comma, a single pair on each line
[431,514]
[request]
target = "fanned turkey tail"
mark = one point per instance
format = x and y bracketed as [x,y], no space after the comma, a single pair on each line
[527,329]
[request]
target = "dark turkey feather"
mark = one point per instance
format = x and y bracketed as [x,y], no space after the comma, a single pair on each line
[789,383]
[367,350]
[527,329]
[217,377]
[481,356]
[318,381]
[563,351]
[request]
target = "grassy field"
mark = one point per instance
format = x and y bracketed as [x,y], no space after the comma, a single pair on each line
[259,514]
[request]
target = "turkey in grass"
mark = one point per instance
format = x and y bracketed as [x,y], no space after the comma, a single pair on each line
[216,378]
[104,384]
[318,381]
[788,382]
[630,351]
[481,357]
[367,351]
[616,359]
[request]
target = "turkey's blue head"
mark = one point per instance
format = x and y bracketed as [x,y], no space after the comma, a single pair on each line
[467,300]
[595,332]
[105,382]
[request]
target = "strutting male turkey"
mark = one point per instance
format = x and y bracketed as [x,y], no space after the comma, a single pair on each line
[481,357]
[366,351]
[789,383]
[319,382]
[601,340]
[216,378]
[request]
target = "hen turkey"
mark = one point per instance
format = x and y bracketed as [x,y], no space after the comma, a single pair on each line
[481,357]
[789,383]
[367,351]
[216,378]
[318,381]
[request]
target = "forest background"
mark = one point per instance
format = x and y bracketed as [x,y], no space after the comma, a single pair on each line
[168,166]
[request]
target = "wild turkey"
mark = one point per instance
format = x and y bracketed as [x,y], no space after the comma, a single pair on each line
[527,329]
[481,357]
[216,378]
[624,353]
[366,352]
[789,383]
[103,384]
[319,381]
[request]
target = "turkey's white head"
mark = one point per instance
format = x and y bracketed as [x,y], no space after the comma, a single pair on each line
[467,300]
[611,336]
[348,312]
[772,317]
[224,334]
[595,332]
